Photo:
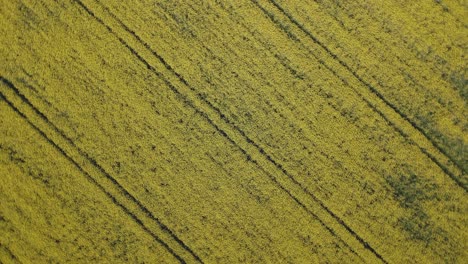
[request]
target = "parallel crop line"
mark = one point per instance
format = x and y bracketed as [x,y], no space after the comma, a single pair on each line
[287,66]
[348,68]
[374,91]
[399,36]
[231,124]
[209,120]
[86,157]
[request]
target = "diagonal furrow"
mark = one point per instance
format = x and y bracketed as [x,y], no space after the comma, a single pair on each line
[380,97]
[103,180]
[217,113]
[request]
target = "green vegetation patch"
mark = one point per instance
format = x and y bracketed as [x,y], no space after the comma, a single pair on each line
[411,192]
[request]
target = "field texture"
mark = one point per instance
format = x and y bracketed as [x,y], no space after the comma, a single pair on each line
[219,131]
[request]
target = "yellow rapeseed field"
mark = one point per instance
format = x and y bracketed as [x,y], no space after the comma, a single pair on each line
[218,131]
